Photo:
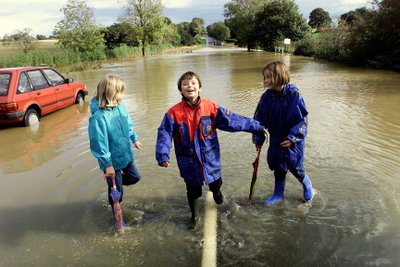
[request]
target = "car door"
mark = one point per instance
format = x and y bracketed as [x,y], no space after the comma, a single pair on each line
[65,94]
[44,94]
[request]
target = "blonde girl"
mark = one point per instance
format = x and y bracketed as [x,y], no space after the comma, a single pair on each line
[112,135]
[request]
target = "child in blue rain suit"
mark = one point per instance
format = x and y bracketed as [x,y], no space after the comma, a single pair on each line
[112,136]
[282,111]
[193,124]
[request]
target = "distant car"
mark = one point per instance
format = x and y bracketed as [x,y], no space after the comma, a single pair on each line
[27,93]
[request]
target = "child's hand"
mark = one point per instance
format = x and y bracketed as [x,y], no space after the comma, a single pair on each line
[110,172]
[287,143]
[164,164]
[138,145]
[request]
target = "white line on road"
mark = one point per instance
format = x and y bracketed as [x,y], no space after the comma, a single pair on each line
[209,258]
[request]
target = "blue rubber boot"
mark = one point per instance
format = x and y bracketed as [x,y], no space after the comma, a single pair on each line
[278,192]
[308,193]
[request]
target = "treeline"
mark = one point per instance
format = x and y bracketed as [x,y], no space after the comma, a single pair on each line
[363,37]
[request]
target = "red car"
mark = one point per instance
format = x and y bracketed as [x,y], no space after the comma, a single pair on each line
[27,93]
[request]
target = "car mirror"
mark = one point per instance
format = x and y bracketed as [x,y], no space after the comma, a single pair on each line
[69,80]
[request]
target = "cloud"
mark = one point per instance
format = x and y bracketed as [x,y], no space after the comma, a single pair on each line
[176,3]
[102,4]
[193,3]
[42,15]
[335,8]
[36,15]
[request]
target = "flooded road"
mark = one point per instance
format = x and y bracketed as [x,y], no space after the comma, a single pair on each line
[53,208]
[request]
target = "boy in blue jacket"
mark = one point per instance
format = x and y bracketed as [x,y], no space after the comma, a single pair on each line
[112,136]
[193,124]
[282,111]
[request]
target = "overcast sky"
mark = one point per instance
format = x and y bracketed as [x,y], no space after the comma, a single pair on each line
[41,16]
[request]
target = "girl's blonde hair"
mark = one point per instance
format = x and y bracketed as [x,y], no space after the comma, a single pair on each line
[109,91]
[279,73]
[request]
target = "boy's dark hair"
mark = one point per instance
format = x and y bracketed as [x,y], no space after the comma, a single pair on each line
[186,76]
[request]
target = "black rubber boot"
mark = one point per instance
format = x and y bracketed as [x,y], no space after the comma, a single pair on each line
[215,188]
[218,197]
[194,209]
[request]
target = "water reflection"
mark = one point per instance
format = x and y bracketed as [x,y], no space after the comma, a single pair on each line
[24,149]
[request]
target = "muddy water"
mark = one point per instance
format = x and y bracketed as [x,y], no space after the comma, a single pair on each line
[53,208]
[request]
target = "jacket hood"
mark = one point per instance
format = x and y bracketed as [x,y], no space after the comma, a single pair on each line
[289,88]
[94,105]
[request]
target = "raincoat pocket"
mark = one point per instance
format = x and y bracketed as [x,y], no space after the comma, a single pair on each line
[206,126]
[294,155]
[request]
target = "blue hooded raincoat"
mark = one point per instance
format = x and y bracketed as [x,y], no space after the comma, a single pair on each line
[284,114]
[194,131]
[111,135]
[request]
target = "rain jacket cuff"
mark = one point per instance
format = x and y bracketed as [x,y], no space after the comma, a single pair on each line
[162,158]
[292,138]
[104,164]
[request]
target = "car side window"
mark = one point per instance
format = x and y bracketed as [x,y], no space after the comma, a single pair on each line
[4,83]
[54,77]
[37,79]
[24,85]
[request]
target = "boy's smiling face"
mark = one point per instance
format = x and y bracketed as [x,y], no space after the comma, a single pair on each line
[190,89]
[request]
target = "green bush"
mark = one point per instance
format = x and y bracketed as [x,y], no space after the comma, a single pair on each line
[305,47]
[74,60]
[124,51]
[99,53]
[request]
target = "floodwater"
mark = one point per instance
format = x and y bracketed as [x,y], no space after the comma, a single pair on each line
[53,202]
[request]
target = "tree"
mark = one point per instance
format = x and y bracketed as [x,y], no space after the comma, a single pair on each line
[78,30]
[387,34]
[219,31]
[185,35]
[278,20]
[170,33]
[22,40]
[364,37]
[41,37]
[319,18]
[353,15]
[146,16]
[197,26]
[197,29]
[191,32]
[120,33]
[240,19]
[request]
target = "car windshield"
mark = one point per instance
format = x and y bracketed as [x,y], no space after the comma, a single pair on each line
[4,83]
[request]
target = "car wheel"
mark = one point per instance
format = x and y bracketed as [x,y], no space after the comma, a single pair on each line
[31,117]
[79,98]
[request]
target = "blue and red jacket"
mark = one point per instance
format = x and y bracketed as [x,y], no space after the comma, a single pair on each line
[194,131]
[284,114]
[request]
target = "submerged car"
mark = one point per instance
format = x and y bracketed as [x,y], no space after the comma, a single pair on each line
[27,93]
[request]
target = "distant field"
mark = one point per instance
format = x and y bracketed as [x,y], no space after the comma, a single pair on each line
[41,45]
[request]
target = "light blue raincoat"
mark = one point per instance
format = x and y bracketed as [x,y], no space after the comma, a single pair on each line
[111,135]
